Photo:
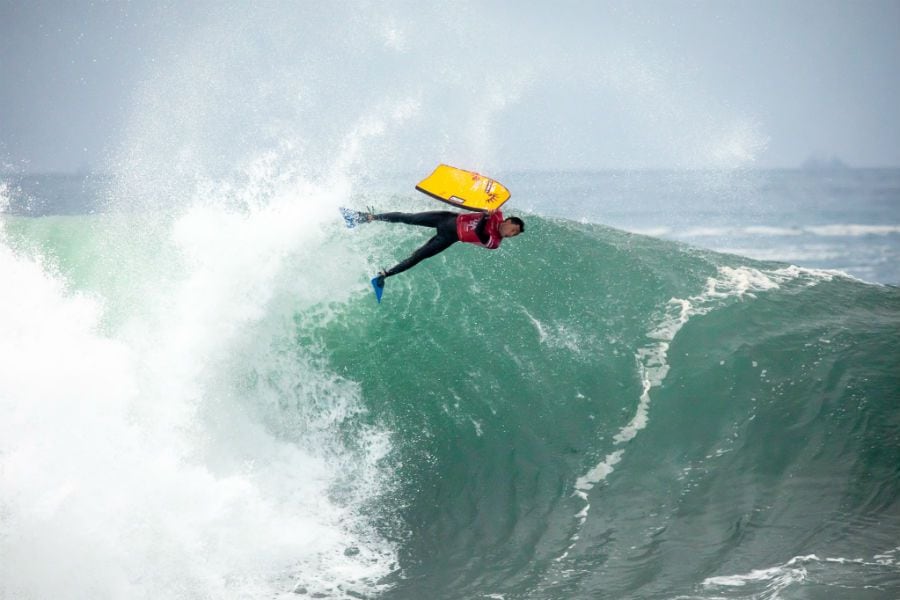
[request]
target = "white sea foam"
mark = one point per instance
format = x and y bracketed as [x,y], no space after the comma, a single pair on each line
[141,462]
[776,578]
[597,474]
[772,581]
[650,231]
[852,230]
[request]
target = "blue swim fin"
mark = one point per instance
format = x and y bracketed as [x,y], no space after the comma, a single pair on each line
[351,217]
[378,286]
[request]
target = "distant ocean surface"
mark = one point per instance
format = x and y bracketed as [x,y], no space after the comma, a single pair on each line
[674,385]
[845,219]
[840,218]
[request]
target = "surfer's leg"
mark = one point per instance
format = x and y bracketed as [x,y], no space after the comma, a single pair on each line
[434,218]
[435,245]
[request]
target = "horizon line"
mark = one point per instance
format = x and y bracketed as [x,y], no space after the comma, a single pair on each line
[826,168]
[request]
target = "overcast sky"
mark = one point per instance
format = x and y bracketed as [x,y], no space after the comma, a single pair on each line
[517,84]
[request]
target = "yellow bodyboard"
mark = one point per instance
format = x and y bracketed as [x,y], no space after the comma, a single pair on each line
[464,189]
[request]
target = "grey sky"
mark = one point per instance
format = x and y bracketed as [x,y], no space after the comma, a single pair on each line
[515,85]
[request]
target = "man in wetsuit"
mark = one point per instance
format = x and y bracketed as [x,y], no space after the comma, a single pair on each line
[482,229]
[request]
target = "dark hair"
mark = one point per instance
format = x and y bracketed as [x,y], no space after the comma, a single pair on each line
[519,222]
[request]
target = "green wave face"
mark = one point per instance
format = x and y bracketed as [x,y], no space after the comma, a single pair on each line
[590,410]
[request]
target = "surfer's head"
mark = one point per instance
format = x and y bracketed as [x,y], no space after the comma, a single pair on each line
[511,227]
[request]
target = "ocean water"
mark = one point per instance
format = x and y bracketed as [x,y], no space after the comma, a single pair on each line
[676,384]
[673,385]
[844,219]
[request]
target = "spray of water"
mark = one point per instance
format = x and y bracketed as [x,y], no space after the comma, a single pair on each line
[190,447]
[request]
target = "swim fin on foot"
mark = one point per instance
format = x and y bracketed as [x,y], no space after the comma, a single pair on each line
[351,217]
[378,286]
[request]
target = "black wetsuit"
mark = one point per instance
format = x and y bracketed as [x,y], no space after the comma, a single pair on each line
[442,220]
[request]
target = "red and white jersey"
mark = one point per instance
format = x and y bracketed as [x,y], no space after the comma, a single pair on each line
[467,222]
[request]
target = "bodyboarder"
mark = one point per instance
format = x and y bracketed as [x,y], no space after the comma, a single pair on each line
[485,229]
